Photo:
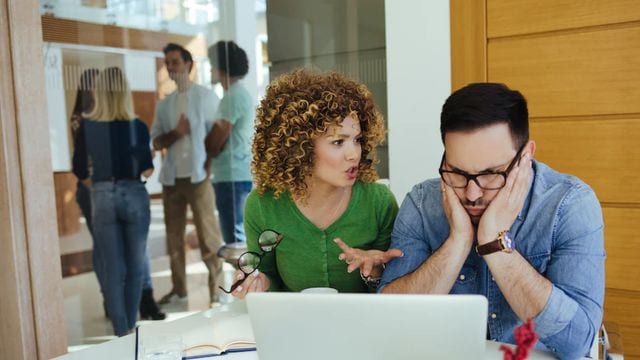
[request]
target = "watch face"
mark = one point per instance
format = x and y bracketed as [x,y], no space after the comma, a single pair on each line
[507,241]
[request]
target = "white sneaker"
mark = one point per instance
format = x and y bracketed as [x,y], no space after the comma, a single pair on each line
[231,252]
[171,296]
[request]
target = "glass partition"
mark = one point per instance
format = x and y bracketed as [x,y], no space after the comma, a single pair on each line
[276,37]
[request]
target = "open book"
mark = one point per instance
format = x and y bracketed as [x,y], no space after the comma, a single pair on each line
[203,335]
[210,350]
[226,332]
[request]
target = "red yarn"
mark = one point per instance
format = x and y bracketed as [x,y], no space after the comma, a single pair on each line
[526,337]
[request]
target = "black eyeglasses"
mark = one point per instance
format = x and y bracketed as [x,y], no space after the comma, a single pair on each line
[487,181]
[249,261]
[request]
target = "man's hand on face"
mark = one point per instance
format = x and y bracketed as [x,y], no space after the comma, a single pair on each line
[504,208]
[183,127]
[460,226]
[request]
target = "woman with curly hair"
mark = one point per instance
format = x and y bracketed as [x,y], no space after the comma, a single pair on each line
[316,196]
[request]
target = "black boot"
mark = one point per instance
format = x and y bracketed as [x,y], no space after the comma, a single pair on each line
[104,306]
[149,310]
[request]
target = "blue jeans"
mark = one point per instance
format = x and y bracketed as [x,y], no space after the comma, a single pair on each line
[230,199]
[121,218]
[83,197]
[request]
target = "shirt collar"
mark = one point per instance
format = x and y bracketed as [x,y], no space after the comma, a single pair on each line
[527,201]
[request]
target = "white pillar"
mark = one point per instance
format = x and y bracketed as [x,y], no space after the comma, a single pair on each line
[418,82]
[238,23]
[56,108]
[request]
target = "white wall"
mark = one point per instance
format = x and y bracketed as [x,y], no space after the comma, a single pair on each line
[238,23]
[56,109]
[418,82]
[140,69]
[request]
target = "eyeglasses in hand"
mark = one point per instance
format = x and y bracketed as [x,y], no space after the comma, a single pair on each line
[249,261]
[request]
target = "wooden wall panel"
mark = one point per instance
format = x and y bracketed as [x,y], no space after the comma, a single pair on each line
[577,64]
[604,153]
[513,17]
[621,307]
[560,75]
[85,33]
[144,105]
[468,45]
[78,32]
[622,243]
[67,208]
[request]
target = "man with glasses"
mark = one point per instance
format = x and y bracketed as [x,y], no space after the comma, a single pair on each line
[500,224]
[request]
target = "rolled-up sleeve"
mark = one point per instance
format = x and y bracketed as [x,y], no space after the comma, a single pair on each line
[573,313]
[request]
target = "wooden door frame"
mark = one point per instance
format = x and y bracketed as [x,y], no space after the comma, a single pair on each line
[31,304]
[468,22]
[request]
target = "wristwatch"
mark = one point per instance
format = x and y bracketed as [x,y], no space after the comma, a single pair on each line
[372,282]
[503,242]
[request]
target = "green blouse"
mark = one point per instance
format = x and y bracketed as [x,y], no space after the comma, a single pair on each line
[307,256]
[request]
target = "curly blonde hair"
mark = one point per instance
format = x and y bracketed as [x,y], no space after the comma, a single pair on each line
[298,108]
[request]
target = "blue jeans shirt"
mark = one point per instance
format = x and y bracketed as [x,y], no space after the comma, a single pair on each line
[559,231]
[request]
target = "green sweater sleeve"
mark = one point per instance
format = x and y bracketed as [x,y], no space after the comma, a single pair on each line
[254,224]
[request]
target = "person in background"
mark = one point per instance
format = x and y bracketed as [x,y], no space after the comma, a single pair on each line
[500,224]
[314,152]
[229,144]
[149,309]
[116,144]
[183,119]
[83,104]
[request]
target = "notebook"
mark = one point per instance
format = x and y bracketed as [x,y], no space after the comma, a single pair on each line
[368,326]
[212,333]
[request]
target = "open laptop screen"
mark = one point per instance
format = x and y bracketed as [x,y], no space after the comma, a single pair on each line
[368,326]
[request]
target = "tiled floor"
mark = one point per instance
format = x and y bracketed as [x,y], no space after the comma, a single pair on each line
[84,314]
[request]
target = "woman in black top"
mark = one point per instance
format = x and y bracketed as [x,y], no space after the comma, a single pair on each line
[116,144]
[83,104]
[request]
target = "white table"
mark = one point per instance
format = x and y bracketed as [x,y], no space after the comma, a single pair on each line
[200,323]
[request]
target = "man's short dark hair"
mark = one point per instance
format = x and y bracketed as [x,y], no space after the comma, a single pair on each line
[184,53]
[479,105]
[229,57]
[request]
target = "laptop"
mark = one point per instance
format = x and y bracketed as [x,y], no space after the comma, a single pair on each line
[368,326]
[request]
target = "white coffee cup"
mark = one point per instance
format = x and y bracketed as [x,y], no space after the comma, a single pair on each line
[319,290]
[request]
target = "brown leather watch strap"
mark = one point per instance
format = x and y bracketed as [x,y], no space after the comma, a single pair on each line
[502,243]
[490,247]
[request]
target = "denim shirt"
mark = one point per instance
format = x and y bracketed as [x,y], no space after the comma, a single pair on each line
[559,231]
